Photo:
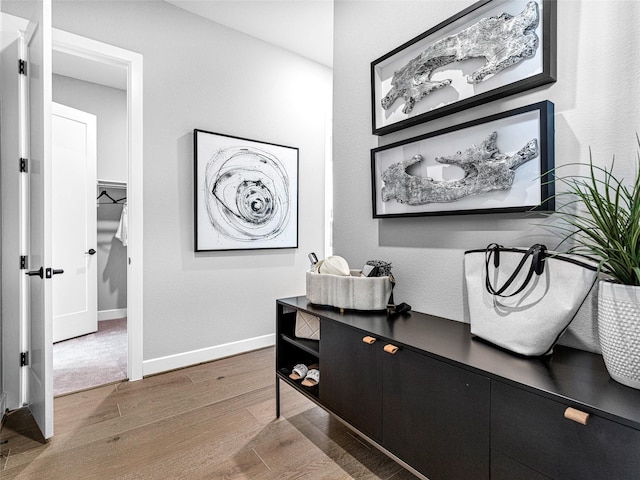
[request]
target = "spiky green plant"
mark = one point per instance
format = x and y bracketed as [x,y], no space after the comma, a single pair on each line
[605,223]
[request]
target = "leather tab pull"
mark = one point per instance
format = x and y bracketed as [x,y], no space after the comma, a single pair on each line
[576,415]
[369,340]
[392,349]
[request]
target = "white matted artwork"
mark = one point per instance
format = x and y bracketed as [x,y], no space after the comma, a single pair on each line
[246,193]
[492,49]
[495,164]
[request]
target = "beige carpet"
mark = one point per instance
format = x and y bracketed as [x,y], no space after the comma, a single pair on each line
[91,360]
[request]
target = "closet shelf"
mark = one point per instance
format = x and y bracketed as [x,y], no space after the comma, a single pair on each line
[111,184]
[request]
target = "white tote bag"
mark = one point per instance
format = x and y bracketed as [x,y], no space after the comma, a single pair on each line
[524,299]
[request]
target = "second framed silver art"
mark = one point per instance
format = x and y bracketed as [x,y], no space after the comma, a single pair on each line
[495,164]
[490,50]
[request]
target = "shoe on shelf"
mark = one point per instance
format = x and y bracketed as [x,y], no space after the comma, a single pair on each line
[312,378]
[300,371]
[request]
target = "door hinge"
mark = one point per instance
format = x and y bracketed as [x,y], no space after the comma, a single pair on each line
[22,67]
[24,165]
[23,262]
[24,359]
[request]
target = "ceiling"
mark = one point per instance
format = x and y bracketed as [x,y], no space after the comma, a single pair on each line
[304,27]
[89,70]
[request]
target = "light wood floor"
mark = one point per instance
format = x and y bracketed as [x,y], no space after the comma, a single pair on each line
[211,421]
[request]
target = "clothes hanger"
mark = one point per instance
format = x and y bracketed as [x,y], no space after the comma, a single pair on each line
[113,200]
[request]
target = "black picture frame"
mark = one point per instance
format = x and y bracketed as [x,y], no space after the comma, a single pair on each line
[245,193]
[528,73]
[398,180]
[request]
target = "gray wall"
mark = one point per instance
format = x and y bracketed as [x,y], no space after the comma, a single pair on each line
[597,104]
[198,74]
[109,105]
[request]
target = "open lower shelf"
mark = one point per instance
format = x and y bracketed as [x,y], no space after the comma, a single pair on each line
[283,373]
[309,346]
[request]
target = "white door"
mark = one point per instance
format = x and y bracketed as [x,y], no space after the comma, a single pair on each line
[39,299]
[75,308]
[14,281]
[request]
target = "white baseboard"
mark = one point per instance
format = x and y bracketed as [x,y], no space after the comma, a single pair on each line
[194,357]
[112,314]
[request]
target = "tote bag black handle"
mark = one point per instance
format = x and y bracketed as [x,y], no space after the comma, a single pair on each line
[537,253]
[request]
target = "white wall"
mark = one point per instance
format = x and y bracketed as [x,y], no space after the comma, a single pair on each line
[596,99]
[198,74]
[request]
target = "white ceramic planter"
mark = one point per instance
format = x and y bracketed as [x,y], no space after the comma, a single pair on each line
[619,331]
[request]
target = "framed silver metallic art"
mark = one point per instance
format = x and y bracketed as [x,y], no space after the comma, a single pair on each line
[495,164]
[246,193]
[490,50]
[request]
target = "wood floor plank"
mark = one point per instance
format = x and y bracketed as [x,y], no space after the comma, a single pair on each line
[223,385]
[352,453]
[145,445]
[183,419]
[292,403]
[234,366]
[89,407]
[209,421]
[162,399]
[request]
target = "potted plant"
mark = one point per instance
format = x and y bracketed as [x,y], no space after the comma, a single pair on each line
[601,217]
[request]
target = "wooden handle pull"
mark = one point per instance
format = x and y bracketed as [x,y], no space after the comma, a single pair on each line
[576,415]
[369,340]
[390,349]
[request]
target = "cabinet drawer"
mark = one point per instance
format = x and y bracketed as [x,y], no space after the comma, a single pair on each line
[532,431]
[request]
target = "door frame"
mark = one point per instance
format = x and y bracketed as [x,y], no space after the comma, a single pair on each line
[108,54]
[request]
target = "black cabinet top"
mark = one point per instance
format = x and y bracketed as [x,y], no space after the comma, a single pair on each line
[572,376]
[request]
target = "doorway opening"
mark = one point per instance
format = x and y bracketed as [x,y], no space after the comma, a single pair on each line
[88,232]
[119,333]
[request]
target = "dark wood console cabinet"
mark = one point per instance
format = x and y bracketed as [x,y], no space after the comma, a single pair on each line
[448,406]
